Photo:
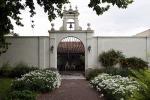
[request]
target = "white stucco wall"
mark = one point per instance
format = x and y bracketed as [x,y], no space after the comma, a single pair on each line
[148,49]
[130,46]
[36,50]
[56,36]
[31,50]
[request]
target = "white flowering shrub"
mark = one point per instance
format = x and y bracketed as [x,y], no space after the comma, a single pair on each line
[115,87]
[38,80]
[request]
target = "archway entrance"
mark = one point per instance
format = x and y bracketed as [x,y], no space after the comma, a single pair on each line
[71,55]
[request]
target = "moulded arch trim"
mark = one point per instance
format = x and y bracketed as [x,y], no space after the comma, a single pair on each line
[63,37]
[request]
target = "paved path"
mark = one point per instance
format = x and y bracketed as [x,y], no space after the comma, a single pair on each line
[72,89]
[72,77]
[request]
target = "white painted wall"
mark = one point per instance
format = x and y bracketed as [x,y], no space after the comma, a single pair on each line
[148,50]
[36,50]
[56,36]
[130,46]
[31,50]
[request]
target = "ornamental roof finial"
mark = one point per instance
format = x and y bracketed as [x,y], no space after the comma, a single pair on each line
[76,7]
[64,7]
[89,26]
[70,6]
[52,25]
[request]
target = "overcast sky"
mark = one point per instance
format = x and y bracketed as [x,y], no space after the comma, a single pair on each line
[115,22]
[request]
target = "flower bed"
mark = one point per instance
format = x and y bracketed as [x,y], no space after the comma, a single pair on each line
[39,81]
[115,87]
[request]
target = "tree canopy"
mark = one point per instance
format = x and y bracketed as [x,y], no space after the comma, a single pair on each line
[11,9]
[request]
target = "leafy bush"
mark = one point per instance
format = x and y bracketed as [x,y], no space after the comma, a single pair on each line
[143,77]
[115,87]
[134,63]
[109,70]
[110,58]
[21,69]
[5,70]
[5,85]
[38,80]
[117,71]
[52,69]
[21,95]
[92,73]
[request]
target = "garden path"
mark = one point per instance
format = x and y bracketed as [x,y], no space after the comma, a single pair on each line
[72,89]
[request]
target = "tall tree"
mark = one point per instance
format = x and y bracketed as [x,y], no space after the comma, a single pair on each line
[10,9]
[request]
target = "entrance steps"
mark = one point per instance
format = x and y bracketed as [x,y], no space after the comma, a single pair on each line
[72,75]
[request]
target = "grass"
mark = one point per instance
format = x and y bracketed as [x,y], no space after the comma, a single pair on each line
[5,84]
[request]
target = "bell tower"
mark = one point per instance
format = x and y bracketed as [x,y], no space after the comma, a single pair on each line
[71,28]
[70,19]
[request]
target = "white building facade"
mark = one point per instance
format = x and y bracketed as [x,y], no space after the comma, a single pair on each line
[42,51]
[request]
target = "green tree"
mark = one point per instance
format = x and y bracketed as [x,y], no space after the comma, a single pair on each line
[10,9]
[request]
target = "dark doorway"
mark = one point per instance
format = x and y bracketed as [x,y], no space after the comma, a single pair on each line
[71,55]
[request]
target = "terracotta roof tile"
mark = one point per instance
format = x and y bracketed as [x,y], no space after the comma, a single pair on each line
[71,47]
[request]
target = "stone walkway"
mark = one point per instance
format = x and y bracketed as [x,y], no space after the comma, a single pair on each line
[72,89]
[72,77]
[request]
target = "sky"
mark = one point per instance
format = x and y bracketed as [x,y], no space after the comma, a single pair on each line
[115,22]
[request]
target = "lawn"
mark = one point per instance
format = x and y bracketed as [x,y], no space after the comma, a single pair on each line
[5,84]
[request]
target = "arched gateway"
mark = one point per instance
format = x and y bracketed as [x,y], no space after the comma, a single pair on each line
[70,46]
[70,55]
[48,51]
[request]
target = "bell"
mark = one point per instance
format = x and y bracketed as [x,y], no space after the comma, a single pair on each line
[70,26]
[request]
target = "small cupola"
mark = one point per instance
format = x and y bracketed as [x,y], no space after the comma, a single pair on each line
[70,19]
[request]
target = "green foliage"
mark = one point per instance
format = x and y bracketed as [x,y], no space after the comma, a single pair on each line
[98,5]
[110,70]
[5,70]
[11,9]
[21,95]
[39,81]
[117,71]
[143,77]
[8,9]
[134,63]
[110,58]
[115,87]
[21,69]
[52,69]
[3,45]
[5,84]
[92,73]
